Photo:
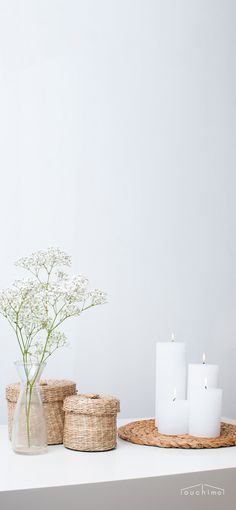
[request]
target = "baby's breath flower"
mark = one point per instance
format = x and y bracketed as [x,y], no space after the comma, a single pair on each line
[45,260]
[98,297]
[36,307]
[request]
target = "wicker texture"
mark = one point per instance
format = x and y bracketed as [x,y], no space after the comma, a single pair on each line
[144,432]
[53,393]
[90,422]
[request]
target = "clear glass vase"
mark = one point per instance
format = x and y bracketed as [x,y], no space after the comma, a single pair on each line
[29,432]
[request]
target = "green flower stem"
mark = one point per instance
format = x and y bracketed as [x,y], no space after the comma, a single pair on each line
[28,398]
[18,339]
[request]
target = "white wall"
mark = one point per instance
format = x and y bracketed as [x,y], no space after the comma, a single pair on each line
[117,143]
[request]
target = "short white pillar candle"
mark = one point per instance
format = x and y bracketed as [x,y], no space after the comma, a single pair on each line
[205,412]
[199,372]
[173,417]
[170,371]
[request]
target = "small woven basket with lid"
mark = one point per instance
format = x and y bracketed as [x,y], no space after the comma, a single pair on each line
[53,393]
[90,422]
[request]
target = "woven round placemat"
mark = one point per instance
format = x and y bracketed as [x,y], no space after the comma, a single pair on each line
[144,432]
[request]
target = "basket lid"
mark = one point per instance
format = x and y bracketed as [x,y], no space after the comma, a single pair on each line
[52,390]
[92,403]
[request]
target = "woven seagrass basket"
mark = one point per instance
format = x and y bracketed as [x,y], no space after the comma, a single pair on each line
[53,393]
[90,422]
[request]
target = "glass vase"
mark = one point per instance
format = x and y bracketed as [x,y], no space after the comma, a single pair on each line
[29,432]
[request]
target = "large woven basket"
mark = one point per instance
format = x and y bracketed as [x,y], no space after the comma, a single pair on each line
[90,422]
[53,393]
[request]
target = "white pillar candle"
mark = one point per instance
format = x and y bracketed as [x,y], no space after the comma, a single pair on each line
[170,371]
[198,372]
[205,412]
[173,417]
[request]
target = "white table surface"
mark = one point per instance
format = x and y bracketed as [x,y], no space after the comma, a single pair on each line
[60,467]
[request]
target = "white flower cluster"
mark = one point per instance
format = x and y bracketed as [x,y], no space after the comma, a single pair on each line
[36,307]
[98,297]
[44,259]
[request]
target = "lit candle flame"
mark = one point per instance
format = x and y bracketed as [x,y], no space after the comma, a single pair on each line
[204,358]
[175,394]
[205,383]
[172,337]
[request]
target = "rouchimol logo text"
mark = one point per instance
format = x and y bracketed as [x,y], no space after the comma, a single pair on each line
[202,489]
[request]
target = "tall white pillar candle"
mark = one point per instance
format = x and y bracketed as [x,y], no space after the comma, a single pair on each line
[170,371]
[199,372]
[205,412]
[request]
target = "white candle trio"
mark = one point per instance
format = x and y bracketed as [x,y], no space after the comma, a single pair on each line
[199,414]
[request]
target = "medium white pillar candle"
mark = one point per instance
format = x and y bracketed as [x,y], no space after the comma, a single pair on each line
[173,417]
[205,412]
[199,372]
[170,371]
